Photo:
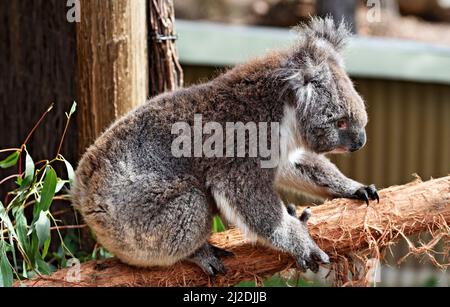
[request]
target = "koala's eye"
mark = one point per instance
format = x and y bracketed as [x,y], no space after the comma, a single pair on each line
[342,124]
[313,81]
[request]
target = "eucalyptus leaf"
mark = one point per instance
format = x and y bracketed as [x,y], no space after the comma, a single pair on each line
[43,267]
[22,228]
[6,220]
[46,246]
[10,161]
[13,250]
[42,227]
[70,172]
[6,272]
[59,185]
[24,270]
[5,246]
[218,225]
[29,171]
[48,189]
[34,247]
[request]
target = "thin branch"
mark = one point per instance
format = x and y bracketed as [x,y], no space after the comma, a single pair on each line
[30,134]
[68,227]
[9,150]
[63,136]
[9,178]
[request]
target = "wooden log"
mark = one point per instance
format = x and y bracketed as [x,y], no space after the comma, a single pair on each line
[340,227]
[112,63]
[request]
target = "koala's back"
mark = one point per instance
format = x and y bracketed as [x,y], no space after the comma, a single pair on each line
[127,181]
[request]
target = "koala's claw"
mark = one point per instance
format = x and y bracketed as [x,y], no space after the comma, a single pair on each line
[312,261]
[313,266]
[301,264]
[367,193]
[206,257]
[320,256]
[220,252]
[291,210]
[373,194]
[306,214]
[212,266]
[314,256]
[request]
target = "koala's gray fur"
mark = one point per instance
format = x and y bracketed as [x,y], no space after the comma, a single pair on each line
[149,208]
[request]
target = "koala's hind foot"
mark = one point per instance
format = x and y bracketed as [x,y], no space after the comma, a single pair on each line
[220,252]
[206,257]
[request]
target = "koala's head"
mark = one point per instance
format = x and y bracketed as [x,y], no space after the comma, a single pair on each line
[330,115]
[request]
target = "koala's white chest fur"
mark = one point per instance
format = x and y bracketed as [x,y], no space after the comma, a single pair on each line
[291,146]
[292,151]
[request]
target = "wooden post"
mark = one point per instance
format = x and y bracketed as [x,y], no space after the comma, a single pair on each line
[165,70]
[112,63]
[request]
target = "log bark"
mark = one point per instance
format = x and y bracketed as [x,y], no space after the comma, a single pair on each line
[112,63]
[340,227]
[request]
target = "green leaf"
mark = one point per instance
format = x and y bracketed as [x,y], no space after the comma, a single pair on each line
[48,189]
[24,270]
[5,246]
[6,272]
[13,250]
[29,171]
[218,225]
[10,161]
[34,249]
[46,246]
[6,220]
[70,172]
[42,227]
[43,267]
[22,228]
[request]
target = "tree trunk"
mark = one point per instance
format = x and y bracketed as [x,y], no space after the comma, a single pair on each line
[164,68]
[340,227]
[37,68]
[112,63]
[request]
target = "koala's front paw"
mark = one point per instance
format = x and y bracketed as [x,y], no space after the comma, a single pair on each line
[367,192]
[311,256]
[311,259]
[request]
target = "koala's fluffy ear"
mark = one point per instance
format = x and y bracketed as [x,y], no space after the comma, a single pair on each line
[323,29]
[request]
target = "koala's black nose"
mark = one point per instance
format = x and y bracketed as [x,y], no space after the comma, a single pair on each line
[360,141]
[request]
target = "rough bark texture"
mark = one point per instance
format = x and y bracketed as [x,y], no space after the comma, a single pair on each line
[340,227]
[112,63]
[165,73]
[37,68]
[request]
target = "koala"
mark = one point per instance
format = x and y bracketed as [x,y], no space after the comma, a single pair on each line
[150,208]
